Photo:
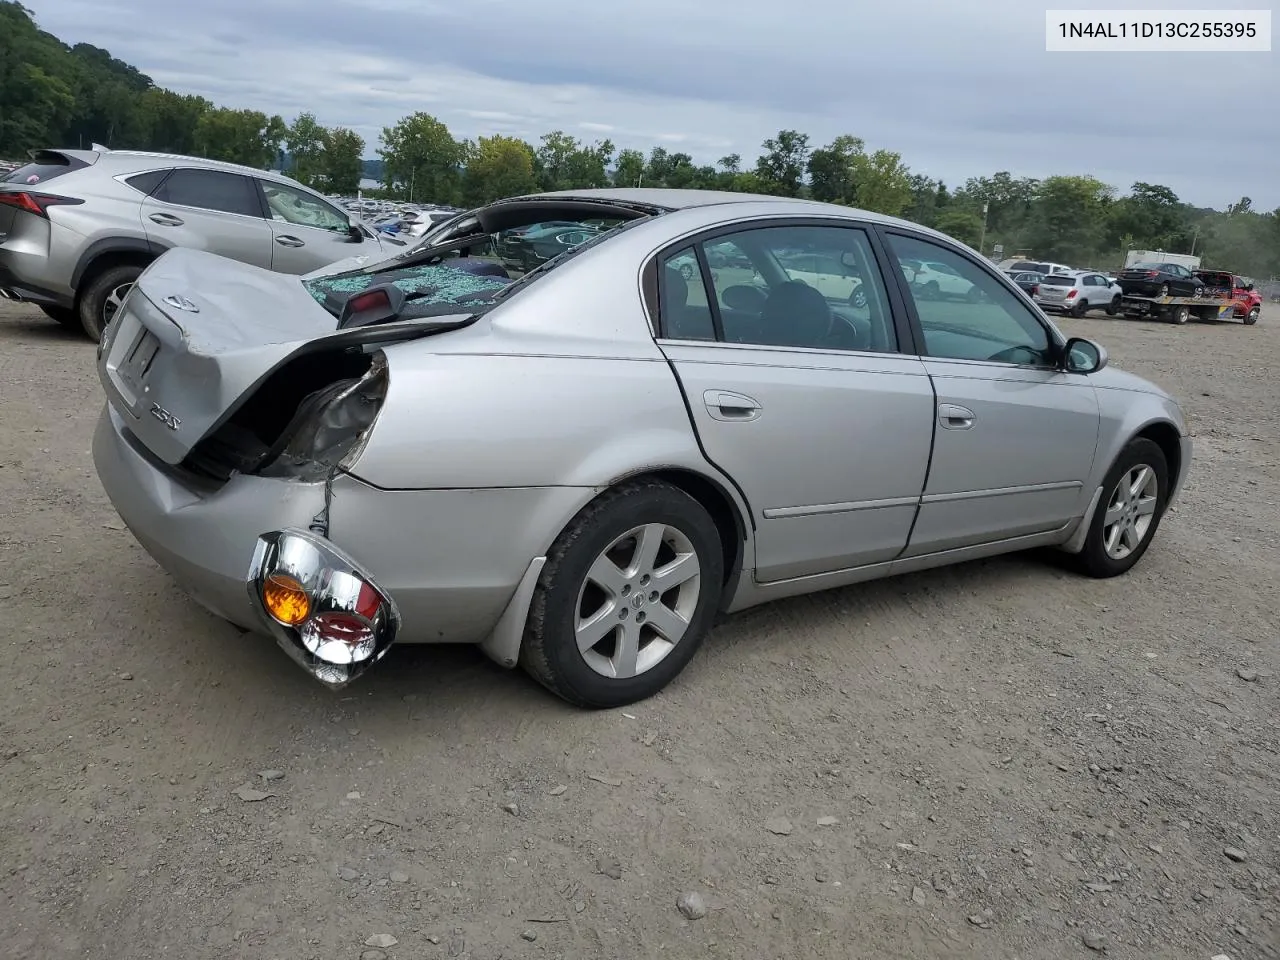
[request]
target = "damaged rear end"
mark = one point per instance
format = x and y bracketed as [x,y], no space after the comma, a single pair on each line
[236,397]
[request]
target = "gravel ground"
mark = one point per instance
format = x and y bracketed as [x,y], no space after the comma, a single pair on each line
[999,760]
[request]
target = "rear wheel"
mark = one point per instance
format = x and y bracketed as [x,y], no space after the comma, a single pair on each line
[1080,308]
[627,595]
[1180,314]
[101,299]
[1134,495]
[66,316]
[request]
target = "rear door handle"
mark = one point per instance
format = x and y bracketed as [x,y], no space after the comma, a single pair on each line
[726,405]
[952,416]
[166,219]
[287,241]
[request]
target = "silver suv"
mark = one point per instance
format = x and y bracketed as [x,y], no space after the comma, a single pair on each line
[78,226]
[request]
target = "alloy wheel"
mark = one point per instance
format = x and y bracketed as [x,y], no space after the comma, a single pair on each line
[115,300]
[637,600]
[1130,511]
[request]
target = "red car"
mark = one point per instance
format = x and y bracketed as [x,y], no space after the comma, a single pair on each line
[1248,301]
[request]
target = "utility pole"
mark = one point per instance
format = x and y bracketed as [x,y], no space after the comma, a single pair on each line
[982,239]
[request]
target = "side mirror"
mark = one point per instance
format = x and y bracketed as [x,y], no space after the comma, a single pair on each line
[354,233]
[1081,355]
[1248,288]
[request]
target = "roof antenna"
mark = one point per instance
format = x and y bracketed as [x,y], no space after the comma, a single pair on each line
[99,148]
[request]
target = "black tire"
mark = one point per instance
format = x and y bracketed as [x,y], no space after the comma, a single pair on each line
[65,316]
[686,271]
[1080,308]
[1251,317]
[1164,290]
[1113,308]
[94,299]
[858,299]
[1094,560]
[1179,314]
[1197,292]
[550,650]
[932,291]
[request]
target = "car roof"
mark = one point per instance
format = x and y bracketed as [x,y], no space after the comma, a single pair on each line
[137,161]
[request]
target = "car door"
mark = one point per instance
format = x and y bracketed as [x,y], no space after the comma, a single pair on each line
[308,232]
[807,404]
[1015,436]
[208,209]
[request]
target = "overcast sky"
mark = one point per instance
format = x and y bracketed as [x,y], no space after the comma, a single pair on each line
[959,89]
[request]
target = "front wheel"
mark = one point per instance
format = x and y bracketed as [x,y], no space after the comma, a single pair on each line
[1134,495]
[1251,317]
[1164,289]
[629,590]
[1113,307]
[103,297]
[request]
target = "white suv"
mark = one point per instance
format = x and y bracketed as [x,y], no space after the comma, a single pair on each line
[1079,292]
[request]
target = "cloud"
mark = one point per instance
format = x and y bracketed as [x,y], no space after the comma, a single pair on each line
[958,90]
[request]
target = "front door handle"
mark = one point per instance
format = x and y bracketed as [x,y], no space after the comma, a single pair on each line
[726,405]
[952,416]
[166,219]
[287,241]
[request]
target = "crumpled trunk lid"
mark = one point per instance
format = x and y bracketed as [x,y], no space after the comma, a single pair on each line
[199,333]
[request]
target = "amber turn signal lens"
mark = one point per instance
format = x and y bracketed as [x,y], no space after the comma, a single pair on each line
[285,599]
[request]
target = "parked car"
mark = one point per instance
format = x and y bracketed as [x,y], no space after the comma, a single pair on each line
[1228,286]
[527,247]
[1034,266]
[937,280]
[580,469]
[1160,280]
[79,226]
[1078,293]
[1028,280]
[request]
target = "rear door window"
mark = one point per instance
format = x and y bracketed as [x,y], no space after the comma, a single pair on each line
[211,190]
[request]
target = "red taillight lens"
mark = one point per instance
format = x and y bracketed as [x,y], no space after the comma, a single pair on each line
[367,301]
[1071,293]
[37,203]
[1035,289]
[1153,273]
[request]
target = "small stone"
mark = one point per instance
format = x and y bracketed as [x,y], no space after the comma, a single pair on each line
[557,791]
[376,830]
[821,876]
[346,873]
[512,808]
[1248,676]
[381,940]
[917,895]
[691,905]
[611,869]
[373,955]
[1100,887]
[1236,854]
[126,676]
[398,876]
[353,795]
[1095,941]
[270,775]
[251,794]
[978,920]
[529,935]
[779,826]
[828,821]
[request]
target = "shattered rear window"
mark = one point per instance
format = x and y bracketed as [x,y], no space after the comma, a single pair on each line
[437,288]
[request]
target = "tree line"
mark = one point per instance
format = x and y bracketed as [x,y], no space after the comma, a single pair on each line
[55,95]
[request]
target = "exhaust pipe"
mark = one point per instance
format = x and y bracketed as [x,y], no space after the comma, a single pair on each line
[8,295]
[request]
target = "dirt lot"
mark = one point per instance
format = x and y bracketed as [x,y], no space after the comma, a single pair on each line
[997,761]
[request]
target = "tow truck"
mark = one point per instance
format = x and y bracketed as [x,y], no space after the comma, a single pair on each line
[1226,298]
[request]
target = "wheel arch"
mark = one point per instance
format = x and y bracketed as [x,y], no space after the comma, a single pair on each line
[1165,436]
[104,254]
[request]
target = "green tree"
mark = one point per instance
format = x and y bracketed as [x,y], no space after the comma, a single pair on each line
[498,167]
[170,119]
[340,163]
[247,137]
[831,170]
[37,83]
[881,182]
[305,141]
[422,160]
[554,160]
[964,225]
[1068,218]
[780,169]
[629,170]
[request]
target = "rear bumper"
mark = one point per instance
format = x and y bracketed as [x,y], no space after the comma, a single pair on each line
[450,560]
[16,288]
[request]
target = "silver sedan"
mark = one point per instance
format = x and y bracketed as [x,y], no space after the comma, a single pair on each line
[580,468]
